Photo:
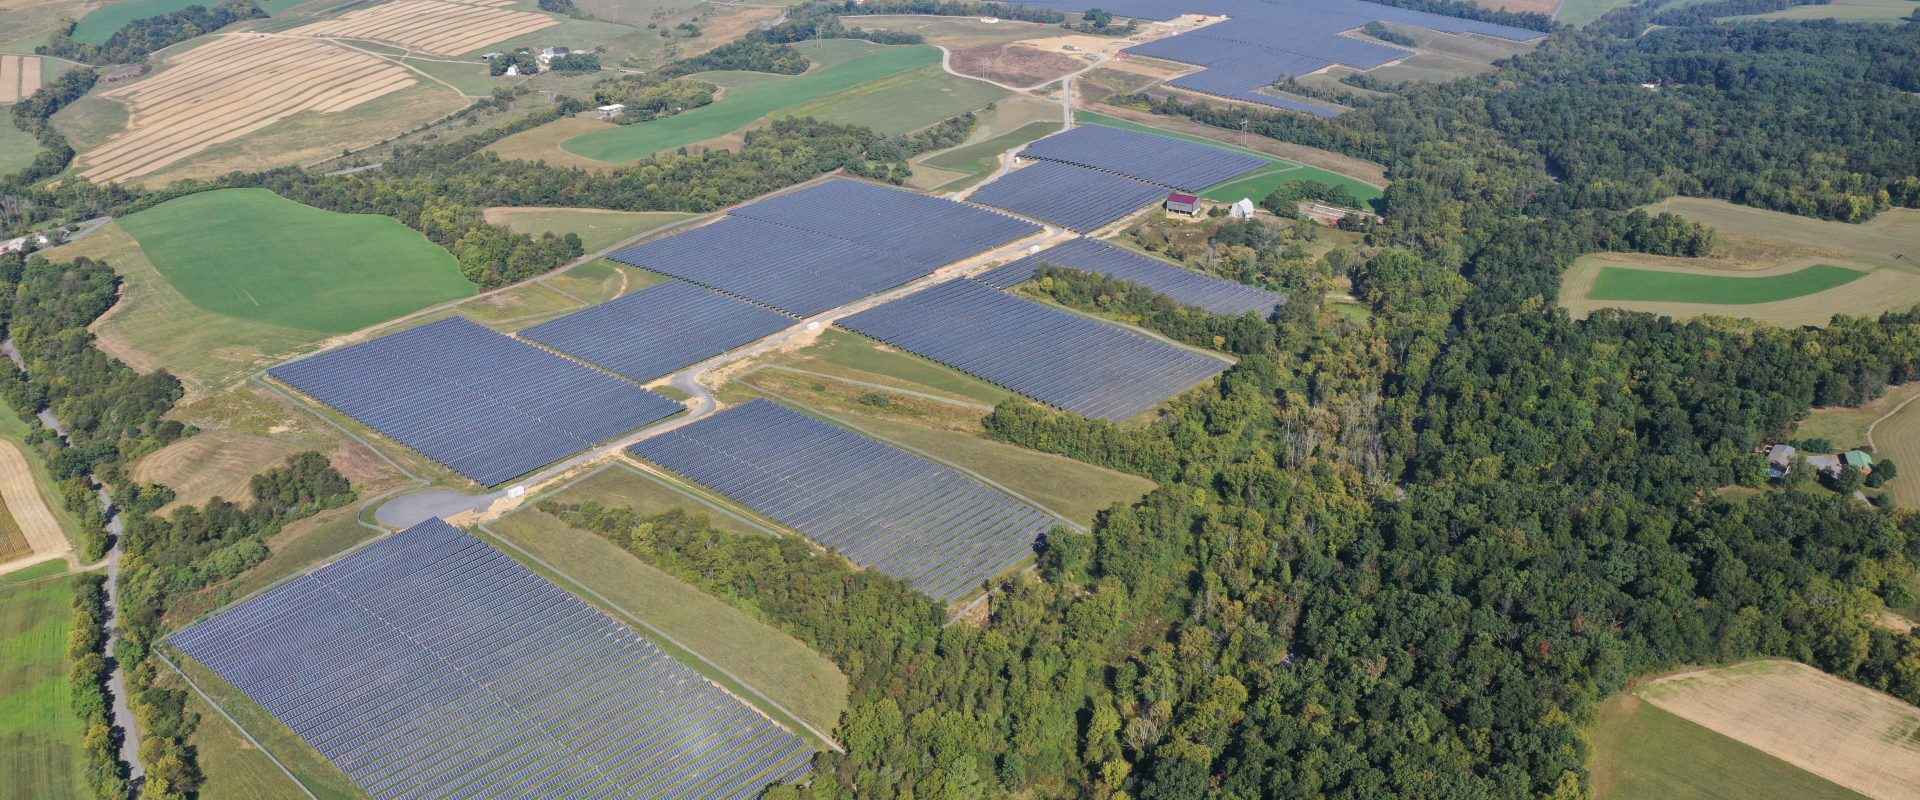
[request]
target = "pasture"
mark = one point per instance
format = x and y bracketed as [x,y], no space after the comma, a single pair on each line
[254,255]
[224,90]
[430,26]
[1888,11]
[17,148]
[748,104]
[1621,283]
[1581,12]
[903,102]
[1897,437]
[1846,733]
[1641,752]
[40,737]
[19,77]
[598,229]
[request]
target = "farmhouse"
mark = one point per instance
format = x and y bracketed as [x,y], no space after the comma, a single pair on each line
[1182,203]
[1780,460]
[548,54]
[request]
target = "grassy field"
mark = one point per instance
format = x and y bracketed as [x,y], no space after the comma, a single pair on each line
[597,229]
[746,105]
[15,431]
[1774,252]
[1898,438]
[39,735]
[251,254]
[1581,12]
[1846,426]
[980,159]
[17,147]
[1846,733]
[1643,753]
[902,103]
[1846,11]
[1620,283]
[765,658]
[217,463]
[1256,183]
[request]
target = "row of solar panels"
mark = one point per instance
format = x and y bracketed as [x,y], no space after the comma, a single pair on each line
[1093,176]
[827,245]
[1072,197]
[1062,359]
[429,665]
[1181,285]
[881,507]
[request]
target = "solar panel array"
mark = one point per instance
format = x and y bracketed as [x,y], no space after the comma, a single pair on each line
[1164,160]
[1071,197]
[658,330]
[1266,40]
[479,402]
[1061,359]
[1182,285]
[429,665]
[827,245]
[883,508]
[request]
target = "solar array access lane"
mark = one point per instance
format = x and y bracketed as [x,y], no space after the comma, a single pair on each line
[1164,160]
[926,230]
[1075,198]
[658,330]
[1182,285]
[479,402]
[428,665]
[1064,360]
[881,507]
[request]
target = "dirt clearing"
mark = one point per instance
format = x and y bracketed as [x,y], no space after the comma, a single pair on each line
[1846,733]
[19,77]
[231,87]
[1013,64]
[432,26]
[27,507]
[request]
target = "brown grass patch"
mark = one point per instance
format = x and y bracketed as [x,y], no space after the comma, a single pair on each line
[231,87]
[1013,64]
[543,144]
[214,464]
[26,507]
[432,26]
[19,77]
[1547,7]
[1844,732]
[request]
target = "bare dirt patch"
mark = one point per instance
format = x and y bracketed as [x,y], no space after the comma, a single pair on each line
[432,26]
[1013,64]
[1844,732]
[229,88]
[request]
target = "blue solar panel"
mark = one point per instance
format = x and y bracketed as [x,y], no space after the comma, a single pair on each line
[923,229]
[1072,197]
[484,405]
[1179,284]
[882,508]
[1164,160]
[794,270]
[429,665]
[1058,358]
[658,330]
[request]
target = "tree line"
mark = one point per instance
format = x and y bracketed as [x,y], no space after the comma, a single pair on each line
[142,37]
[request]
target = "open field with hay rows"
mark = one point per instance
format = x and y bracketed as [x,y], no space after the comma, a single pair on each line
[228,88]
[29,519]
[1641,752]
[1898,438]
[19,77]
[433,26]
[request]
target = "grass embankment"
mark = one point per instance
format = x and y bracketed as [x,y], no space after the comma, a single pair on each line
[746,104]
[40,753]
[1621,283]
[1256,183]
[1643,753]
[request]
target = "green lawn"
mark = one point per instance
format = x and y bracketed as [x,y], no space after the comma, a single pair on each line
[17,147]
[746,105]
[39,735]
[1256,183]
[1622,283]
[981,158]
[904,102]
[96,26]
[1643,753]
[251,254]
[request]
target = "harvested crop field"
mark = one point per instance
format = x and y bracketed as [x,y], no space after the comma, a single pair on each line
[228,88]
[19,77]
[432,26]
[1846,733]
[26,507]
[1013,64]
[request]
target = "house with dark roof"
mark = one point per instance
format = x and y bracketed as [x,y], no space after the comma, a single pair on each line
[1780,460]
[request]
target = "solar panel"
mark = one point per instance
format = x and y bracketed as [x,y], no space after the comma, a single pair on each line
[1179,284]
[658,330]
[794,270]
[1164,160]
[1071,197]
[1058,358]
[429,665]
[881,507]
[926,230]
[484,405]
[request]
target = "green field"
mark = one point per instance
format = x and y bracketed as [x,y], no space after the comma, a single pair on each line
[1622,283]
[1257,183]
[39,735]
[1845,11]
[597,229]
[1644,753]
[96,26]
[980,159]
[251,254]
[1581,12]
[746,105]
[17,147]
[902,103]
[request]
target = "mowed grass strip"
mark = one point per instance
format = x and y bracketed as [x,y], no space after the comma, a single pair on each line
[1623,283]
[252,254]
[1641,752]
[746,105]
[39,735]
